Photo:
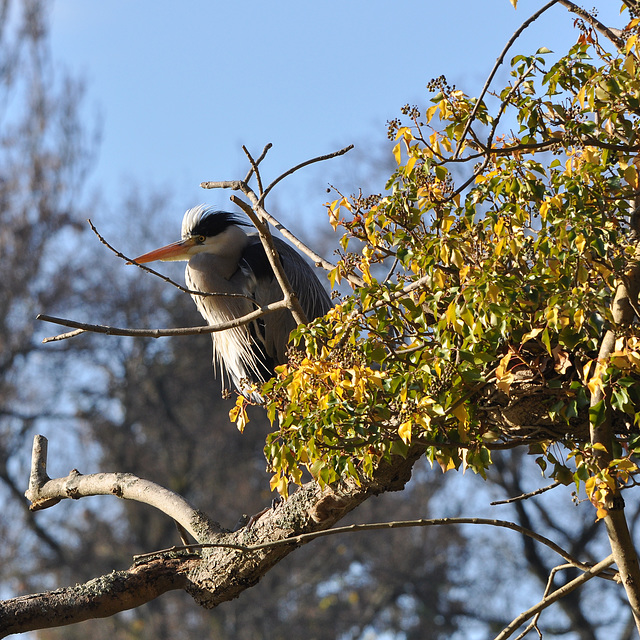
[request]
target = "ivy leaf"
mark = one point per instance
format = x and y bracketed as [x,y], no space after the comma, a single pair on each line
[598,414]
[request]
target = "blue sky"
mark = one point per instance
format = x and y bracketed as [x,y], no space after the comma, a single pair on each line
[181,86]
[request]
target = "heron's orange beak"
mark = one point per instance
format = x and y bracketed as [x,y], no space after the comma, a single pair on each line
[181,250]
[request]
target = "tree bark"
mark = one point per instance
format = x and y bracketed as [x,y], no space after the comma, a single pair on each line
[216,574]
[622,546]
[98,598]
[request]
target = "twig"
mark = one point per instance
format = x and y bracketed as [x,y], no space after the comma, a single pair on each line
[328,156]
[534,623]
[255,163]
[157,333]
[61,336]
[525,496]
[239,185]
[307,537]
[555,596]
[496,66]
[192,292]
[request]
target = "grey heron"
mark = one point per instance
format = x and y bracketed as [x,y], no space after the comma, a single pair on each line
[223,258]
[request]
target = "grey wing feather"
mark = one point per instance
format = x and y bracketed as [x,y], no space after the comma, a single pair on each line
[315,302]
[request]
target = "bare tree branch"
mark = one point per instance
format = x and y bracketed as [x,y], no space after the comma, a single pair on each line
[254,165]
[44,492]
[98,598]
[290,296]
[238,185]
[376,526]
[525,496]
[192,292]
[155,333]
[554,597]
[306,163]
[496,66]
[218,575]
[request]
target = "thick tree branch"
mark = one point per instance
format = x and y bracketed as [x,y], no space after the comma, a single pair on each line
[622,545]
[98,598]
[220,574]
[44,492]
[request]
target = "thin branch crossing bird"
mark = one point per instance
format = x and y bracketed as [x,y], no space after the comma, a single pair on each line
[223,258]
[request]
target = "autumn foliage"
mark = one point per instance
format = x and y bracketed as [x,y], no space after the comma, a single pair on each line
[487,270]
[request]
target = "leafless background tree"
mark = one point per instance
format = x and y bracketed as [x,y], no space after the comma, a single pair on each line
[152,408]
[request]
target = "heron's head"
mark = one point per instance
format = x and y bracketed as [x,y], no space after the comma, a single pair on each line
[204,230]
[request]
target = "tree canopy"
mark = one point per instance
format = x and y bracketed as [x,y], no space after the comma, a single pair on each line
[487,275]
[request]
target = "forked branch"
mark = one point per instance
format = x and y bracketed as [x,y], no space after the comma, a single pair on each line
[261,220]
[43,492]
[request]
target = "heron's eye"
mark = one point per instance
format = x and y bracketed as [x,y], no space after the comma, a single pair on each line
[200,239]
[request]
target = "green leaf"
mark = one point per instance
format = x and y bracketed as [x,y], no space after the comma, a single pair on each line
[598,413]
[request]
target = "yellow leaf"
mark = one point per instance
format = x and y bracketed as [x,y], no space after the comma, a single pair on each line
[238,414]
[456,258]
[630,64]
[493,291]
[430,112]
[531,334]
[590,486]
[410,164]
[439,278]
[580,242]
[280,484]
[544,207]
[397,153]
[595,382]
[461,413]
[631,176]
[591,155]
[450,313]
[405,432]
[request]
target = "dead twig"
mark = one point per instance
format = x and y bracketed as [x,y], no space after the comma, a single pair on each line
[592,572]
[155,333]
[239,185]
[400,524]
[166,279]
[496,66]
[525,496]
